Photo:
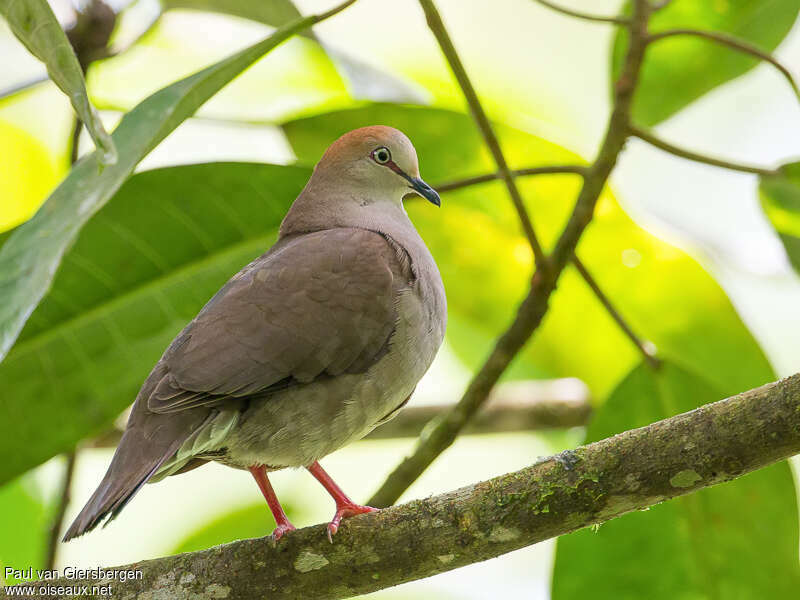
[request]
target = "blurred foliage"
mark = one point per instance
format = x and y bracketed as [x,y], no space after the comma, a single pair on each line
[690,67]
[363,81]
[735,541]
[30,258]
[485,262]
[298,77]
[138,272]
[26,525]
[780,198]
[35,25]
[27,174]
[252,521]
[130,265]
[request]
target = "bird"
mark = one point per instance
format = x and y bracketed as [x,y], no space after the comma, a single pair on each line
[304,350]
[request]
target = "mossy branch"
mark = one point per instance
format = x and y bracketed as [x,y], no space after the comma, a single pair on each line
[595,483]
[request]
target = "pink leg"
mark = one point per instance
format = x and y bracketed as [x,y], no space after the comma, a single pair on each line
[259,473]
[344,506]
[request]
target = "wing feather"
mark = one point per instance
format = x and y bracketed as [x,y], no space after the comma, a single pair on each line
[318,304]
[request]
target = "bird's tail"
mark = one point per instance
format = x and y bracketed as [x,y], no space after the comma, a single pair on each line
[134,462]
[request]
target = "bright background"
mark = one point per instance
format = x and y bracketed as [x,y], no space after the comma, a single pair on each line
[537,71]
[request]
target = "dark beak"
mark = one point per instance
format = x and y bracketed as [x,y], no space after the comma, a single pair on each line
[424,190]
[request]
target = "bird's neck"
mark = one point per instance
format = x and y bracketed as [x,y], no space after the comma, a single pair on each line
[312,212]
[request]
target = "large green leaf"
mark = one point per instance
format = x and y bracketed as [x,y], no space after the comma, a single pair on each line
[736,541]
[31,257]
[780,198]
[679,70]
[34,23]
[485,261]
[140,269]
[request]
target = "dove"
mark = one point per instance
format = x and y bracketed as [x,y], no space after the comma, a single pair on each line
[306,349]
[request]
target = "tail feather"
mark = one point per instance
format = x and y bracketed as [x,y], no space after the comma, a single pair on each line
[128,472]
[149,441]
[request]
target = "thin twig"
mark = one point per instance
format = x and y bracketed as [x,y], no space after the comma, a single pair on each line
[448,49]
[444,431]
[651,139]
[54,537]
[579,15]
[646,348]
[450,186]
[730,42]
[592,484]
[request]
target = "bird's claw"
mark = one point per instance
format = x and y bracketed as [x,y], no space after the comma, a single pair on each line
[344,511]
[280,530]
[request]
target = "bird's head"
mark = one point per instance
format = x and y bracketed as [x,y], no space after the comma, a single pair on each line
[380,160]
[361,180]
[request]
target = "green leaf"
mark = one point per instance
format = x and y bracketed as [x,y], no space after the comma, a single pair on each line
[486,262]
[140,269]
[29,174]
[252,521]
[736,540]
[679,70]
[34,23]
[30,258]
[365,81]
[274,12]
[25,530]
[780,198]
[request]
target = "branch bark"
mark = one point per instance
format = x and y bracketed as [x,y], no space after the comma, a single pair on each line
[595,483]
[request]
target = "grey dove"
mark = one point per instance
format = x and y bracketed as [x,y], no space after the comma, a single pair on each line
[309,347]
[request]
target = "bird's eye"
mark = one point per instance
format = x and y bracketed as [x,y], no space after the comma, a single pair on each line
[381,155]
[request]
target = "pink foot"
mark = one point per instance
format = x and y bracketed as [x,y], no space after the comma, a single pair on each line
[344,511]
[280,530]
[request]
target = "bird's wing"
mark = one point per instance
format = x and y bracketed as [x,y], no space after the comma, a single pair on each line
[320,304]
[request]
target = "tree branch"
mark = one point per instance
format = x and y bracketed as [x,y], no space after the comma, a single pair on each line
[733,43]
[482,121]
[458,184]
[651,139]
[595,483]
[444,431]
[579,15]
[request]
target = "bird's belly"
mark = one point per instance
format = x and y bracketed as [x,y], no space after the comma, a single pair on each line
[300,425]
